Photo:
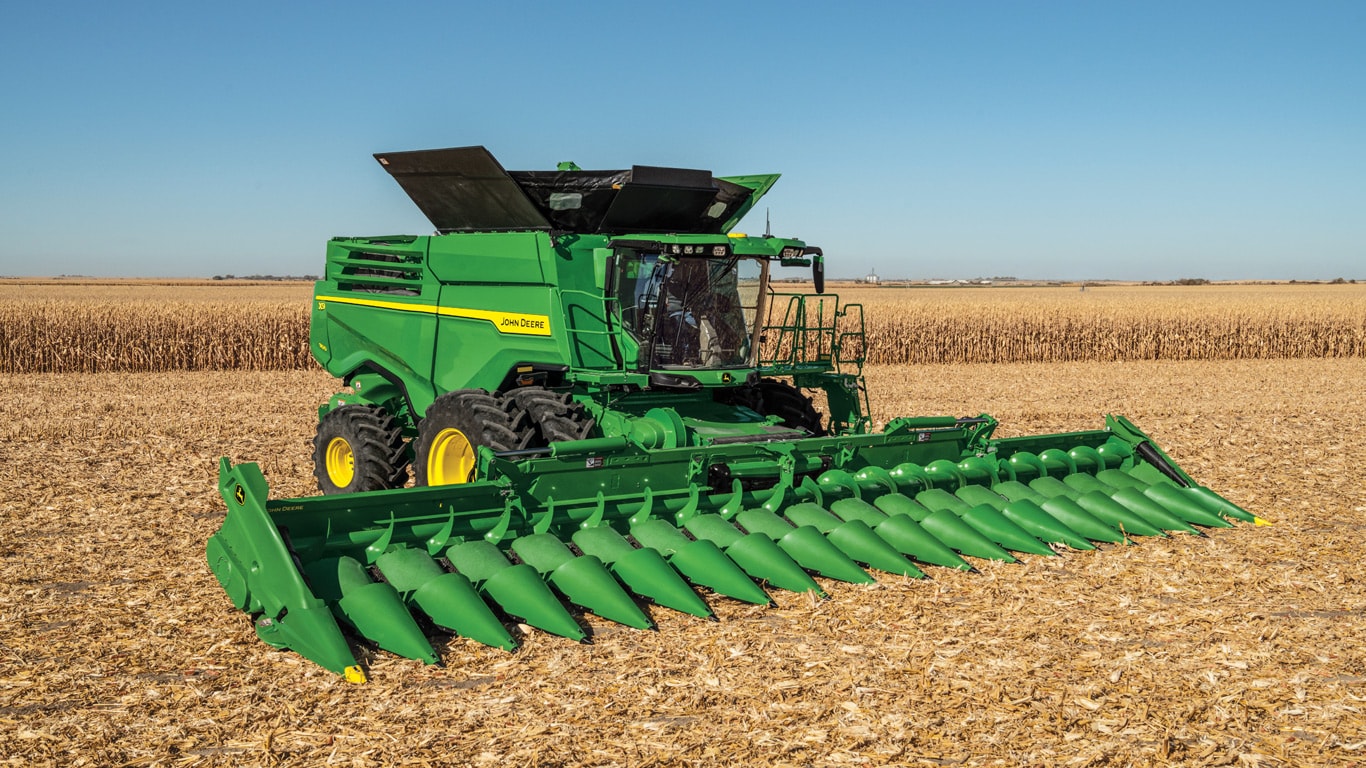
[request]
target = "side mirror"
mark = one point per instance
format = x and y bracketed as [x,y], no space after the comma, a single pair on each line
[817,268]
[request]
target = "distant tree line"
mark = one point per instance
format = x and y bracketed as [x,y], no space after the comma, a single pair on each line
[1203,281]
[280,278]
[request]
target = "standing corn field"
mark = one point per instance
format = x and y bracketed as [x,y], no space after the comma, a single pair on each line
[151,327]
[1112,323]
[62,327]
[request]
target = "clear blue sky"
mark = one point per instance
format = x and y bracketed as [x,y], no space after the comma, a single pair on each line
[1102,140]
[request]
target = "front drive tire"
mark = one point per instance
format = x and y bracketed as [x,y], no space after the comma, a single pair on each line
[455,425]
[358,448]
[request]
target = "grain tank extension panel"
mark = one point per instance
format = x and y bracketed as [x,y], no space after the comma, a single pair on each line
[466,190]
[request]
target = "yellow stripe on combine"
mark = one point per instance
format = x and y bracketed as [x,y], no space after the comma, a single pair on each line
[505,322]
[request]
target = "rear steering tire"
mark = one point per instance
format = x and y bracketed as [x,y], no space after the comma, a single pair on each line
[553,417]
[358,448]
[456,424]
[771,397]
[778,398]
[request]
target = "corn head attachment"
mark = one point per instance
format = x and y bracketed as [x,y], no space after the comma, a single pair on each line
[583,529]
[604,405]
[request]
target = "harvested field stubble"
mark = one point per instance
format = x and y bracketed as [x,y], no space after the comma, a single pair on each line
[1243,648]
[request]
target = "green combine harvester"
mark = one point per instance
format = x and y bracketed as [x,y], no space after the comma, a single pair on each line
[604,402]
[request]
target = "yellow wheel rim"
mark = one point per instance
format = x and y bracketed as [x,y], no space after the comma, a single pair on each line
[340,462]
[451,459]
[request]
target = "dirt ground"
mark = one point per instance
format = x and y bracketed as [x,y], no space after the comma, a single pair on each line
[117,647]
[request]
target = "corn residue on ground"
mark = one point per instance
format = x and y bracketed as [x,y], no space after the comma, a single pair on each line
[1242,648]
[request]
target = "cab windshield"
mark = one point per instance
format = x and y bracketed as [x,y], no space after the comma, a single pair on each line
[691,312]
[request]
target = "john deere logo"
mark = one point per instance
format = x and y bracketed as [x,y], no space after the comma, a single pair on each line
[726,378]
[240,495]
[518,323]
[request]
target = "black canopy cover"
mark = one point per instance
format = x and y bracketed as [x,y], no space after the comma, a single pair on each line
[464,189]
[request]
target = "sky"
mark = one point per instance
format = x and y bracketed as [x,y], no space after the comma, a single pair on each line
[1051,139]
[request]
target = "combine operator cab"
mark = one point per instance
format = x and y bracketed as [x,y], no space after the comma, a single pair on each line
[690,312]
